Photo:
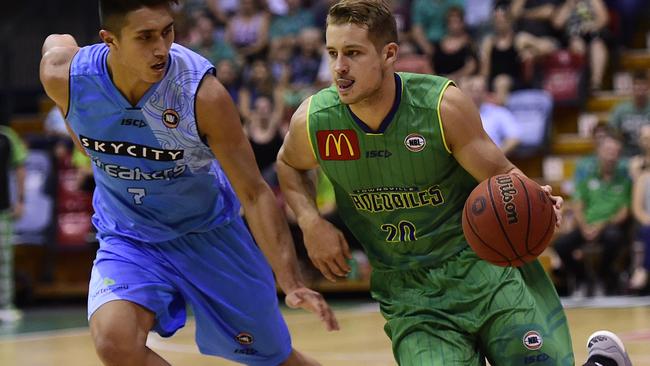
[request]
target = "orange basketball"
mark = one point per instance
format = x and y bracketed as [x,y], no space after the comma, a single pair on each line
[508,220]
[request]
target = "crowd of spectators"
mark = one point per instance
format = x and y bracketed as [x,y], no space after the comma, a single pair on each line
[270,56]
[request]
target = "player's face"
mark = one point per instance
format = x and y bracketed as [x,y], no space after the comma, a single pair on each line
[144,42]
[356,66]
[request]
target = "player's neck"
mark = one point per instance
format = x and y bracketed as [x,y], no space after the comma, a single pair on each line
[127,82]
[375,108]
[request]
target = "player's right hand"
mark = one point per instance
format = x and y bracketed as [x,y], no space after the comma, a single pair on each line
[327,249]
[311,300]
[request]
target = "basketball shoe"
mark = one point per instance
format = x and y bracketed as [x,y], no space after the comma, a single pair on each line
[607,344]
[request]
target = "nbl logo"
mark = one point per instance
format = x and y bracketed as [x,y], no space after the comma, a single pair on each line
[533,340]
[170,118]
[244,338]
[415,142]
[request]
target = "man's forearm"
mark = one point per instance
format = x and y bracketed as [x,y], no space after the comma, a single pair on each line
[299,192]
[271,231]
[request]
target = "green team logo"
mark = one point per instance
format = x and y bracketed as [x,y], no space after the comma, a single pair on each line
[391,198]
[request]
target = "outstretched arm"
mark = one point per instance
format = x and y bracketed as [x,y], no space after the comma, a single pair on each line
[219,121]
[326,245]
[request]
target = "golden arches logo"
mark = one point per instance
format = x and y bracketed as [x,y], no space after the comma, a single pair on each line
[337,144]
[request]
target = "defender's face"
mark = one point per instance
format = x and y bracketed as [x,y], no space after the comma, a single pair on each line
[144,42]
[355,64]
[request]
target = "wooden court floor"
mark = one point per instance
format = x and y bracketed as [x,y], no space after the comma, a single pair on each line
[361,340]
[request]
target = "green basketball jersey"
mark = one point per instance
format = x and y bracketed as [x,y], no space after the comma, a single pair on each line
[398,189]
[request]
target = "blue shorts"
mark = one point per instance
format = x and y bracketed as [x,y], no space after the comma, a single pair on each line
[222,274]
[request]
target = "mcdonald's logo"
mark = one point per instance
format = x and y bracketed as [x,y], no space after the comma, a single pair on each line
[338,145]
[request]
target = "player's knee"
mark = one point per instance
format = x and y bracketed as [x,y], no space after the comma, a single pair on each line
[115,347]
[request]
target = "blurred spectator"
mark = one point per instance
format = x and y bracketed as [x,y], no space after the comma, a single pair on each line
[641,211]
[500,62]
[478,14]
[12,157]
[263,133]
[498,122]
[54,123]
[453,55]
[303,66]
[428,17]
[408,60]
[261,83]
[641,162]
[205,42]
[584,23]
[628,116]
[535,34]
[640,173]
[401,10]
[248,30]
[600,222]
[290,24]
[228,75]
[588,165]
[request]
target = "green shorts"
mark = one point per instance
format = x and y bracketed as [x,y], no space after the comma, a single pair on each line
[468,310]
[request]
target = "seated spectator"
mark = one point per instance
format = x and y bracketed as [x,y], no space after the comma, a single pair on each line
[205,42]
[628,116]
[408,60]
[535,35]
[428,22]
[303,66]
[584,26]
[588,165]
[260,82]
[641,163]
[228,76]
[248,30]
[600,222]
[262,129]
[500,62]
[286,27]
[454,55]
[478,15]
[641,212]
[498,122]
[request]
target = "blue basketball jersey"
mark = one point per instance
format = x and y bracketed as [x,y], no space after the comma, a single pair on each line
[156,179]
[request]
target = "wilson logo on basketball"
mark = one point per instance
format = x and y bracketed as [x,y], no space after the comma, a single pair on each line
[170,118]
[244,338]
[508,193]
[533,340]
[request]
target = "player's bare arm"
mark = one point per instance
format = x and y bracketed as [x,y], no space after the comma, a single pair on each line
[326,245]
[218,120]
[58,51]
[470,144]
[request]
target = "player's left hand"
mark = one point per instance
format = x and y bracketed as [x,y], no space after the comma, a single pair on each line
[311,300]
[558,201]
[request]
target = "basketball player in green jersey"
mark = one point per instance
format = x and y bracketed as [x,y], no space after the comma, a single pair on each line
[403,152]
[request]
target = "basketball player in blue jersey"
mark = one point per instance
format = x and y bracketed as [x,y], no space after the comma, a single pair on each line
[172,165]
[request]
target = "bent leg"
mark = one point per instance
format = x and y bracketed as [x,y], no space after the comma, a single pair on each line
[528,324]
[119,330]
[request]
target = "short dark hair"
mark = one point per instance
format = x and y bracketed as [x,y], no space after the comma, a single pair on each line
[112,12]
[374,15]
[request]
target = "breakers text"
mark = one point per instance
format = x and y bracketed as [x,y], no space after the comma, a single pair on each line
[125,173]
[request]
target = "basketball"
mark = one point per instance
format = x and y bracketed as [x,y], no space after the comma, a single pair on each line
[508,220]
